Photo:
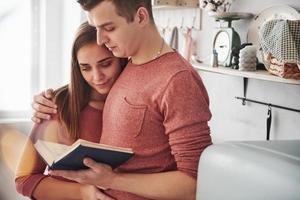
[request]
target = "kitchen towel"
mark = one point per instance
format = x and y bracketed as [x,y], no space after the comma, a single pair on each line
[281,39]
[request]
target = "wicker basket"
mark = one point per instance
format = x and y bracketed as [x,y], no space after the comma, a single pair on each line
[280,43]
[284,70]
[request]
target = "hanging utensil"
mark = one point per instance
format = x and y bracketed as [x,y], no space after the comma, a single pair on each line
[269,121]
[174,39]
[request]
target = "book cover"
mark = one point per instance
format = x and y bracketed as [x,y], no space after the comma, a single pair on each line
[63,157]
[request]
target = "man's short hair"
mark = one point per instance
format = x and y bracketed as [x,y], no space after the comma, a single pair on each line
[125,8]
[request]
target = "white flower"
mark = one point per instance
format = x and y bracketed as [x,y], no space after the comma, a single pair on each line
[215,5]
[203,3]
[210,7]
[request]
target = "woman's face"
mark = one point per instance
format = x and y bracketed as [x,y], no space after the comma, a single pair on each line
[98,66]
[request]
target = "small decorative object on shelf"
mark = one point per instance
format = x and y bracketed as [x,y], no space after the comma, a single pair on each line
[214,59]
[215,5]
[235,55]
[183,3]
[188,3]
[247,60]
[164,2]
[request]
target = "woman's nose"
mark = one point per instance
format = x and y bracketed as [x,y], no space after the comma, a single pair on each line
[98,75]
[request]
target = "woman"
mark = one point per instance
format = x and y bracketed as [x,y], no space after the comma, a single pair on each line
[93,72]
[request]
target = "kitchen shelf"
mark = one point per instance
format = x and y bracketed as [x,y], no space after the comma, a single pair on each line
[172,7]
[258,74]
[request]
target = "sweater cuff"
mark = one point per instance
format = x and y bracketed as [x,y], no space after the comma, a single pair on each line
[26,185]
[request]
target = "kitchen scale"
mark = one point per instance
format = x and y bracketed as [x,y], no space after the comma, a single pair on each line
[226,39]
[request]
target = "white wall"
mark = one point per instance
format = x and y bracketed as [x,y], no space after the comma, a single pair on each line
[60,19]
[51,47]
[72,17]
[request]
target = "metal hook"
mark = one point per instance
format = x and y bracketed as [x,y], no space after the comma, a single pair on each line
[244,101]
[168,22]
[269,108]
[194,20]
[182,20]
[168,28]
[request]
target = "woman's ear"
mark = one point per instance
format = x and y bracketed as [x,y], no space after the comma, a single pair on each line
[142,16]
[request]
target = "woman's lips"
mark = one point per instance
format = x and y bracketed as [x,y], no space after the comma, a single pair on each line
[102,84]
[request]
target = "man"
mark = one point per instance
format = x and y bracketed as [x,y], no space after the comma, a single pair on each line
[158,107]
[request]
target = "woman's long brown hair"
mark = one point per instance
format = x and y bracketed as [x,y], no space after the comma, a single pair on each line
[72,98]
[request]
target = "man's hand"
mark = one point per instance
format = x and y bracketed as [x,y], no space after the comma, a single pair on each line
[98,174]
[43,106]
[90,192]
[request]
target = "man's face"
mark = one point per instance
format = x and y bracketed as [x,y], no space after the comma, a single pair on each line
[113,30]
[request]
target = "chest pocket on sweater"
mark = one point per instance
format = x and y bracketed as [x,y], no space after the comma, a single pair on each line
[135,116]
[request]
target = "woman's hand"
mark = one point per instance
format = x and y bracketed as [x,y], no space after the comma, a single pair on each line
[43,106]
[90,192]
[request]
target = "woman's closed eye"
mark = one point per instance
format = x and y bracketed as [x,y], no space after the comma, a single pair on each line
[84,67]
[105,64]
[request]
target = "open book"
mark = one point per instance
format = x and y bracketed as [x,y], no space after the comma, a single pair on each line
[59,156]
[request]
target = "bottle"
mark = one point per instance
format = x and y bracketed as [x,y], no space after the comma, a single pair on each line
[214,59]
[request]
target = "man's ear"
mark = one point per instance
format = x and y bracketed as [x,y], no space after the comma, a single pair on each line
[142,16]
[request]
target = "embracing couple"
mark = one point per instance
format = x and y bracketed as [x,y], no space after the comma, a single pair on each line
[155,103]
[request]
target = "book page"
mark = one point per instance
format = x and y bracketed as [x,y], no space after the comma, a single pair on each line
[52,149]
[101,146]
[56,149]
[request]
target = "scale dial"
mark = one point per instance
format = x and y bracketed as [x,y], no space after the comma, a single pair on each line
[222,46]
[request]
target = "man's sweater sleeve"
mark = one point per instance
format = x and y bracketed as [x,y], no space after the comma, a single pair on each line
[185,106]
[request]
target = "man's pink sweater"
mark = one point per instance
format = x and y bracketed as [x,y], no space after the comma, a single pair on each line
[160,109]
